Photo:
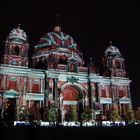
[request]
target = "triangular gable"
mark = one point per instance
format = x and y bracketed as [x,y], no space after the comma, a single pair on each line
[12,91]
[13,79]
[124,100]
[11,94]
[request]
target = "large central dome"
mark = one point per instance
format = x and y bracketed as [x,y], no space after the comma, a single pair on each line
[59,44]
[58,39]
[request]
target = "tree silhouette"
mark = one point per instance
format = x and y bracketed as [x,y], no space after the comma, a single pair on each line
[34,112]
[86,115]
[52,114]
[71,114]
[137,114]
[114,115]
[130,115]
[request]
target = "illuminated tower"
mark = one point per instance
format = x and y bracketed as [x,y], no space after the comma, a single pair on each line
[113,62]
[114,68]
[16,48]
[13,71]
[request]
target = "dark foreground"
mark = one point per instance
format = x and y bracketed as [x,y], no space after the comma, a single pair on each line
[72,133]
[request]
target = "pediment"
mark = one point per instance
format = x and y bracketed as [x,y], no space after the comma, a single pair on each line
[124,100]
[12,91]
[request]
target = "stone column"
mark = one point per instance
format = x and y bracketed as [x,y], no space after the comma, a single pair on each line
[30,85]
[55,82]
[40,104]
[2,107]
[117,94]
[18,100]
[120,109]
[5,80]
[84,104]
[55,90]
[91,96]
[41,86]
[86,101]
[19,81]
[108,107]
[112,92]
[61,106]
[130,104]
[60,101]
[19,91]
[24,93]
[29,104]
[117,91]
[106,90]
[98,85]
[99,99]
[46,95]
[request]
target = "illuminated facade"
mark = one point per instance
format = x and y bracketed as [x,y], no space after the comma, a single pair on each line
[58,76]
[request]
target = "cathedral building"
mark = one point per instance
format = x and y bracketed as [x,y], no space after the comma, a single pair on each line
[58,76]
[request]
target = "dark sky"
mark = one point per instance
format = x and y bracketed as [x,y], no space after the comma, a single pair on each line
[92,25]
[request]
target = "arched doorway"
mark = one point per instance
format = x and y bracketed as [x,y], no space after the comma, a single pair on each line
[72,104]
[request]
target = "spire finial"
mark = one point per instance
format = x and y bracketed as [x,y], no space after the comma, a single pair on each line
[57,20]
[19,26]
[57,27]
[110,43]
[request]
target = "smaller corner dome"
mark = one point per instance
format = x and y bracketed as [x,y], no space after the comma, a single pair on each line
[112,51]
[17,35]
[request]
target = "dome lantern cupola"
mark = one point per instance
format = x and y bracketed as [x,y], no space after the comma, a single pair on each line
[17,36]
[112,51]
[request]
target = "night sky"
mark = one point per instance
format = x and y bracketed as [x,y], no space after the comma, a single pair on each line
[92,25]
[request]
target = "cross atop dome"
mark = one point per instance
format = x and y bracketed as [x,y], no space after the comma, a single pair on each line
[19,26]
[57,20]
[110,43]
[57,27]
